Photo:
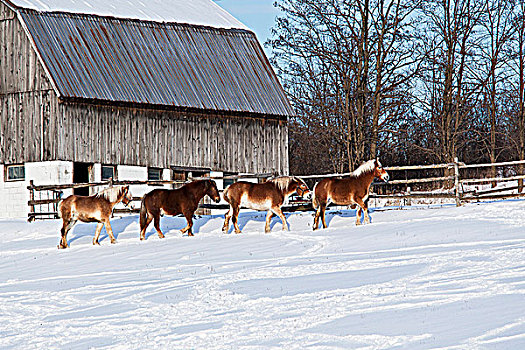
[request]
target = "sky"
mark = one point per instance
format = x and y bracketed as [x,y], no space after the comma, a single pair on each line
[259,15]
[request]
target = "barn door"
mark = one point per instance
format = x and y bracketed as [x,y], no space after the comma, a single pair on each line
[82,172]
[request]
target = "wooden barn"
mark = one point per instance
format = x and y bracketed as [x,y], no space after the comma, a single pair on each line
[133,91]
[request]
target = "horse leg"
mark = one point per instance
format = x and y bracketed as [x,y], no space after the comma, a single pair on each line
[65,229]
[323,216]
[235,218]
[316,217]
[97,233]
[278,211]
[109,231]
[363,208]
[149,219]
[268,221]
[156,223]
[189,219]
[358,216]
[227,218]
[367,217]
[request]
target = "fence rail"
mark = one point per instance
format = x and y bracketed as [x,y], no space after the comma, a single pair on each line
[454,184]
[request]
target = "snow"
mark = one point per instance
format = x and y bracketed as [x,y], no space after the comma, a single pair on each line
[424,278]
[198,12]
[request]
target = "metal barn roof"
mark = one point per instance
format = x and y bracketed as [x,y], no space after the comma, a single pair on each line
[170,64]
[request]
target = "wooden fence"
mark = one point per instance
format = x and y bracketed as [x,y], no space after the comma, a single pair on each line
[451,187]
[53,193]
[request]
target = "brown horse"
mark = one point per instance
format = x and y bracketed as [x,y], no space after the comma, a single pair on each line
[184,200]
[269,195]
[96,208]
[348,191]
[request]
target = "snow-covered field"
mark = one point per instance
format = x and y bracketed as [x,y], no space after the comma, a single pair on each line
[449,278]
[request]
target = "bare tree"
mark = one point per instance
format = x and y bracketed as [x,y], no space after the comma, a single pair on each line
[448,89]
[416,81]
[495,32]
[517,82]
[350,63]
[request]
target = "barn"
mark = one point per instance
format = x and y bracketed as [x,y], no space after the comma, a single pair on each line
[132,90]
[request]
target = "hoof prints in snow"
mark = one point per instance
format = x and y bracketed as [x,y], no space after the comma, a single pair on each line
[415,279]
[315,283]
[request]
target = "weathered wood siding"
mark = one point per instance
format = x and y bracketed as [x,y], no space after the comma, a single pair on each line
[121,135]
[34,126]
[24,93]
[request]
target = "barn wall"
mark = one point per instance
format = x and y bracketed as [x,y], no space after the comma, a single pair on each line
[14,194]
[35,126]
[24,93]
[131,136]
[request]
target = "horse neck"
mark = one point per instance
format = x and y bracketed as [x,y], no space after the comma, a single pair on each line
[121,193]
[200,190]
[118,200]
[367,178]
[289,190]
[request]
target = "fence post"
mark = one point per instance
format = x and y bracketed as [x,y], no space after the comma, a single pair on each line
[31,198]
[408,200]
[456,181]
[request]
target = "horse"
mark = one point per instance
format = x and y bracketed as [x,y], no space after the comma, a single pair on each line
[95,208]
[269,195]
[352,190]
[184,200]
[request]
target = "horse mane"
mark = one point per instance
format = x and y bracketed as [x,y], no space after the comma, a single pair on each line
[282,182]
[111,194]
[195,183]
[366,167]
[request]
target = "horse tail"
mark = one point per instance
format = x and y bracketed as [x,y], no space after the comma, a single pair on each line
[225,194]
[315,201]
[60,197]
[59,208]
[143,212]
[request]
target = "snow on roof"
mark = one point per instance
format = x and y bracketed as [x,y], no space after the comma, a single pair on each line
[197,12]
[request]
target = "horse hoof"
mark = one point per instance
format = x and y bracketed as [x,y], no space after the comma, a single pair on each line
[60,246]
[96,243]
[114,241]
[161,236]
[190,234]
[142,238]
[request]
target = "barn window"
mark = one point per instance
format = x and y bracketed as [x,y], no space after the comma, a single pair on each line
[15,172]
[228,182]
[108,172]
[154,174]
[185,173]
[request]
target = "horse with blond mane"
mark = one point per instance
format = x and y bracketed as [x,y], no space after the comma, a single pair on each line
[269,195]
[96,208]
[351,190]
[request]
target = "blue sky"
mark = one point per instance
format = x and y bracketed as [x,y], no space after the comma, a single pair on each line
[259,15]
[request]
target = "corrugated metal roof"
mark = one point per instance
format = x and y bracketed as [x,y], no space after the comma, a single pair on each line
[121,60]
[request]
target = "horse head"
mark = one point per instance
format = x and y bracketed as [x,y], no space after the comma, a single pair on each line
[212,191]
[126,195]
[379,172]
[302,188]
